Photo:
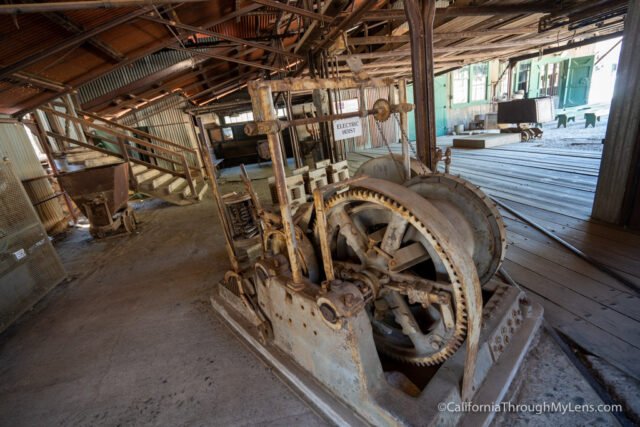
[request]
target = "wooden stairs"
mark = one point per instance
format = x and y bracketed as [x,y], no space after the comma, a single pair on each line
[158,168]
[162,185]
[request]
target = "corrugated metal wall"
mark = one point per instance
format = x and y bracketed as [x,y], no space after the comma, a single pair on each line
[164,119]
[15,144]
[371,135]
[167,120]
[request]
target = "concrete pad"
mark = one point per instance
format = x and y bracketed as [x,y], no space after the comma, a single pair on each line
[486,140]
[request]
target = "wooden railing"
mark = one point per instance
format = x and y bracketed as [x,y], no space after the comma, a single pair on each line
[139,132]
[124,143]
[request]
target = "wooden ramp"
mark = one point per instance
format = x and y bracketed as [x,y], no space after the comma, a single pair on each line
[555,188]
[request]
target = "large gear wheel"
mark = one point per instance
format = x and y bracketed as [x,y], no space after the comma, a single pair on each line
[476,217]
[421,310]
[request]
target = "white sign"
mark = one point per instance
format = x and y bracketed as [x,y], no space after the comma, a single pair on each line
[20,254]
[346,106]
[347,128]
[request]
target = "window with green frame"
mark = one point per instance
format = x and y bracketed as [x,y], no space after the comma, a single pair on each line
[470,84]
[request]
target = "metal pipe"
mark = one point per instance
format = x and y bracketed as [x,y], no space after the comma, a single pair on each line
[77,5]
[255,128]
[572,248]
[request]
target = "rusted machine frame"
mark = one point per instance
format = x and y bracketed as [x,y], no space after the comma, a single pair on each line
[264,110]
[266,122]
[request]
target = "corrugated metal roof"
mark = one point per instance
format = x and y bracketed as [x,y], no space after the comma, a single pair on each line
[77,66]
[125,75]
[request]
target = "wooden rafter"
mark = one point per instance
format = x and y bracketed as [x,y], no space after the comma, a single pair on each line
[69,25]
[69,43]
[295,10]
[202,30]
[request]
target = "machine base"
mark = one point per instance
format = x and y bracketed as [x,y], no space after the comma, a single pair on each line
[510,323]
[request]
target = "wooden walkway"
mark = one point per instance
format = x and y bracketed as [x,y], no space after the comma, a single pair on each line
[555,188]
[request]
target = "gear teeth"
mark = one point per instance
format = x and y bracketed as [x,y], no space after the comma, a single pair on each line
[456,340]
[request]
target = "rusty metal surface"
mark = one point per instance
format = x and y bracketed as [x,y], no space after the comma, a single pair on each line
[264,110]
[435,234]
[324,335]
[473,213]
[391,168]
[111,181]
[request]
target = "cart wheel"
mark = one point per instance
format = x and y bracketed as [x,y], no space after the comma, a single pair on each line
[129,221]
[97,234]
[538,133]
[525,135]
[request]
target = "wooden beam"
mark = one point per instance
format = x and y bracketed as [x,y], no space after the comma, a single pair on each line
[146,81]
[80,5]
[63,21]
[453,11]
[359,41]
[498,9]
[238,40]
[483,33]
[69,43]
[347,22]
[313,31]
[226,58]
[295,10]
[616,200]
[401,54]
[39,81]
[567,46]
[147,50]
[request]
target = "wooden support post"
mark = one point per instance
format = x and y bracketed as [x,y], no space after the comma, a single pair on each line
[133,183]
[187,175]
[44,142]
[420,15]
[293,132]
[617,197]
[211,171]
[406,160]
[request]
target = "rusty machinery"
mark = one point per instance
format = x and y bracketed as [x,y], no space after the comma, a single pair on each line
[102,194]
[369,298]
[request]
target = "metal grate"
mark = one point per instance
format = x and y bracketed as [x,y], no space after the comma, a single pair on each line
[29,266]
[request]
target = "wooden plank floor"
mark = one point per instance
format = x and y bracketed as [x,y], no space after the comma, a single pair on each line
[555,188]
